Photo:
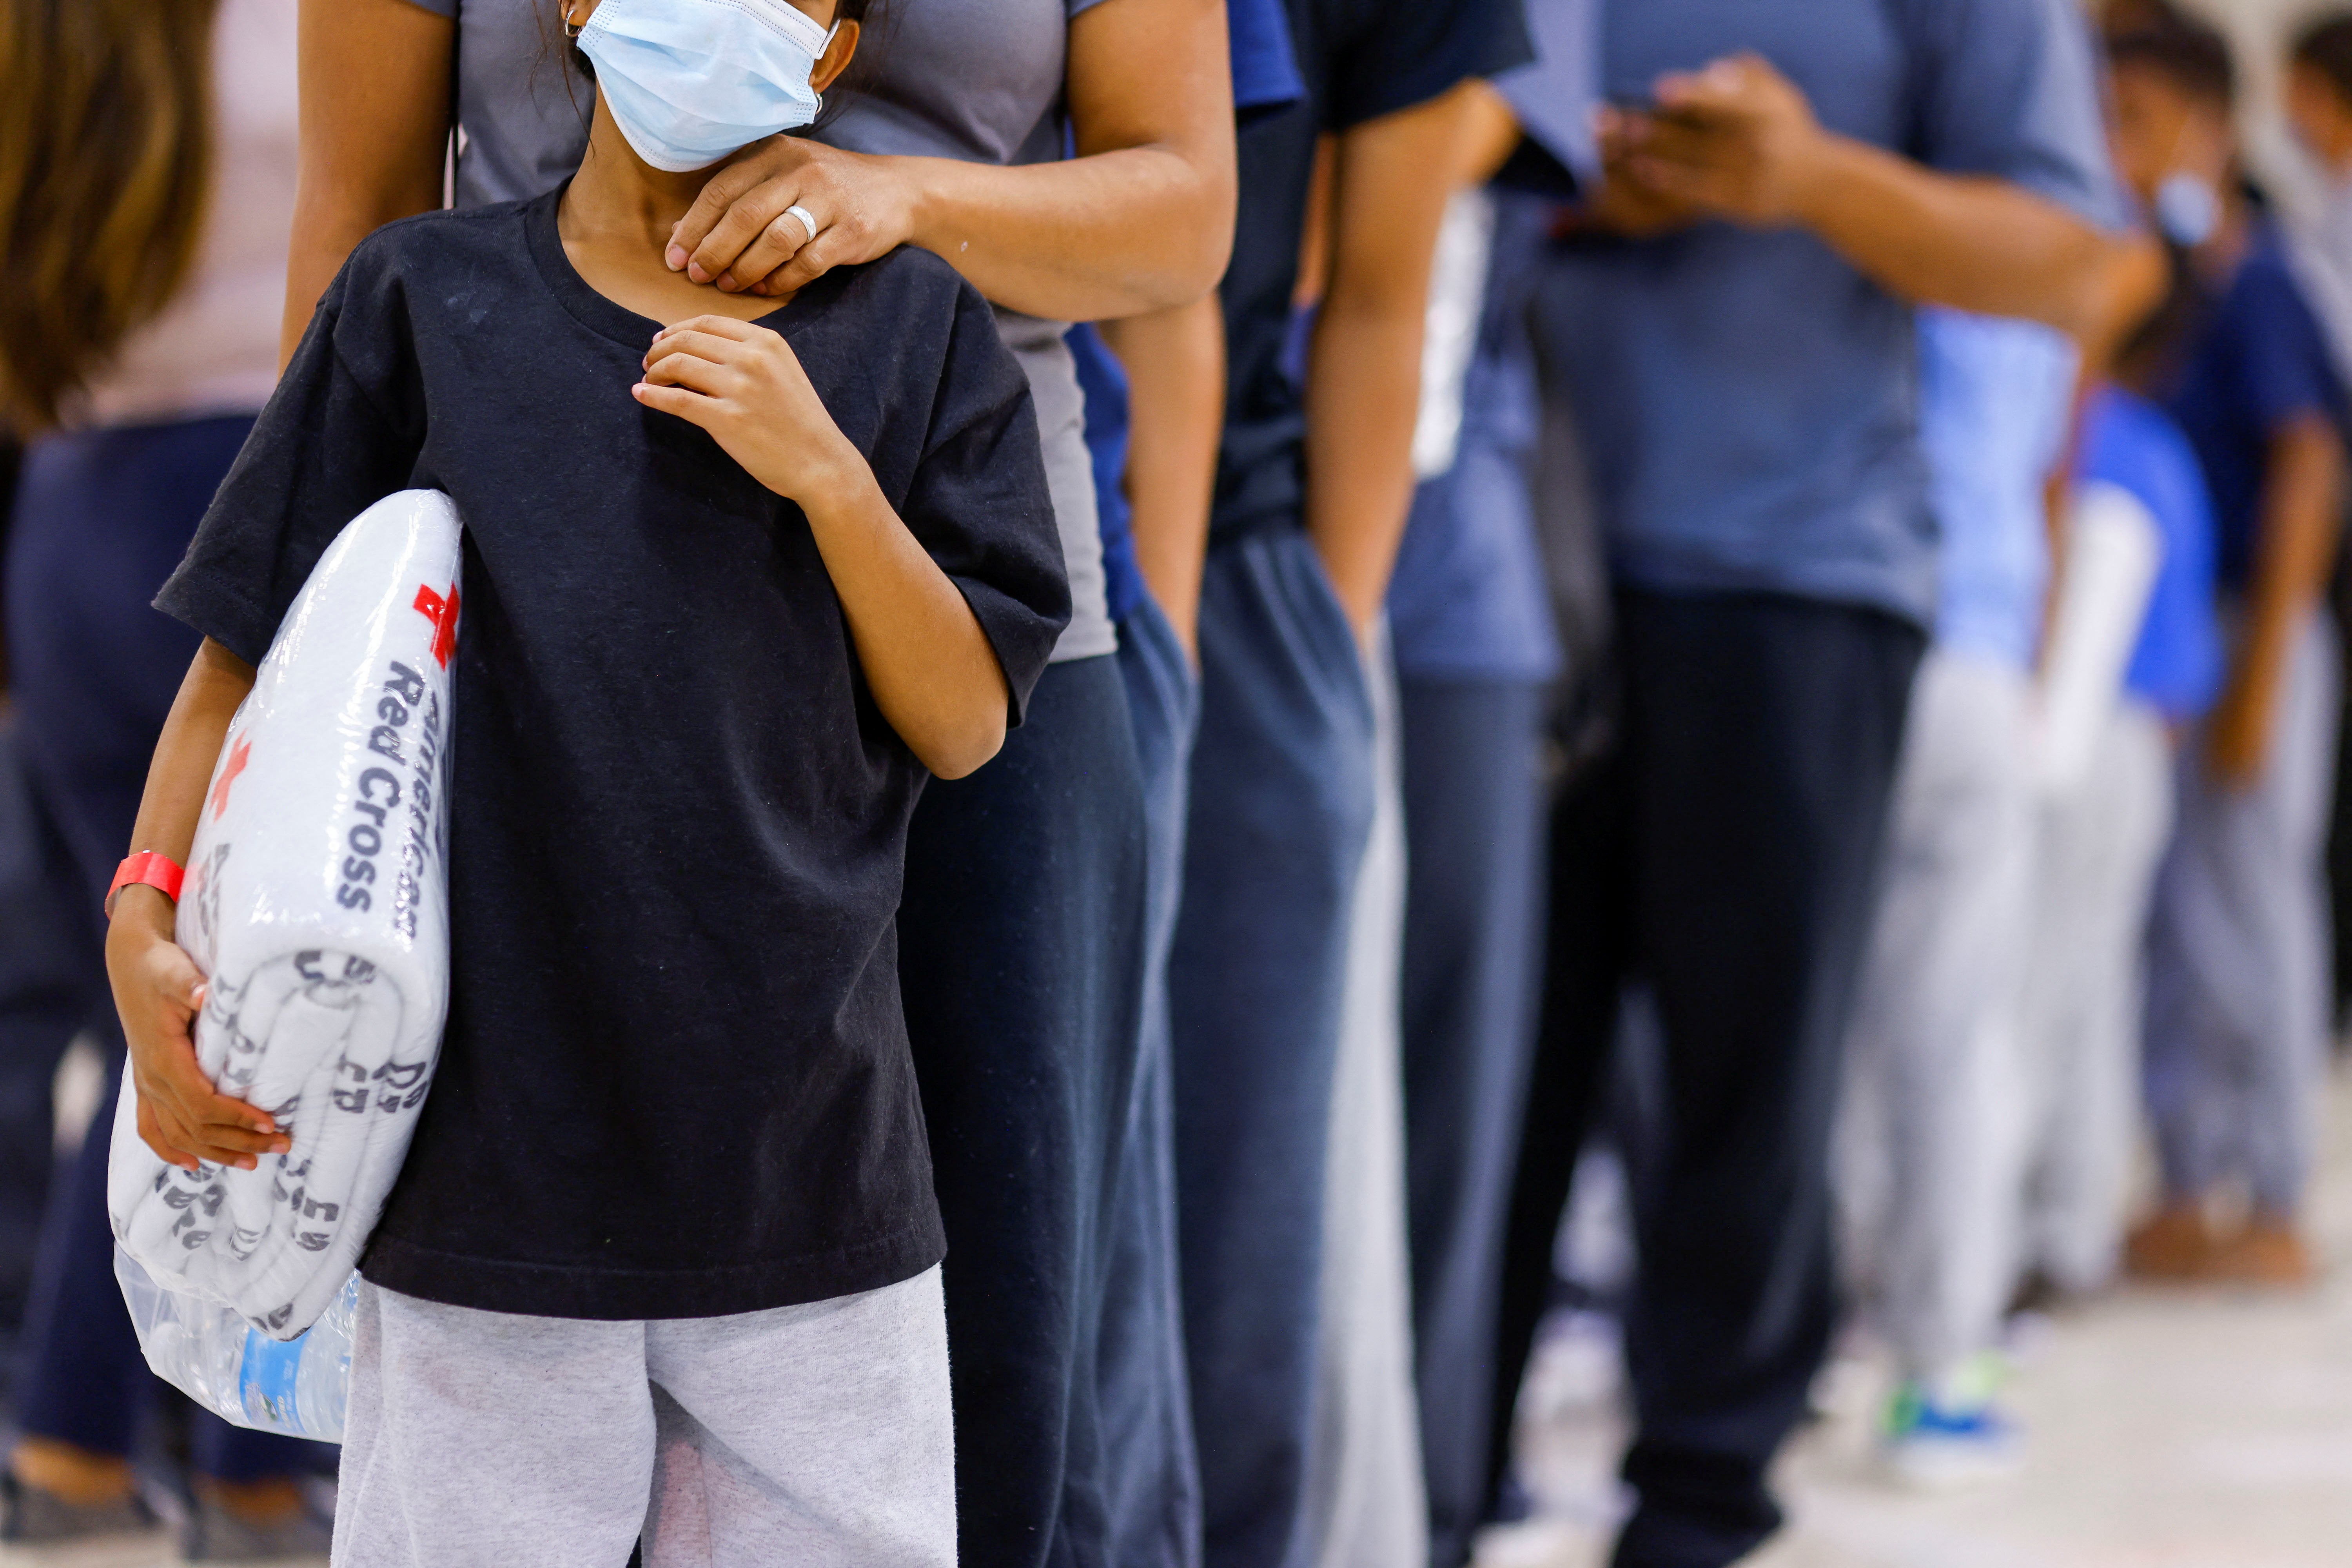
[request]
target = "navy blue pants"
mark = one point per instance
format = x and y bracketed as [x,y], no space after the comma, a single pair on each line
[1473,820]
[1021,941]
[101,518]
[52,987]
[1725,852]
[1281,812]
[1150,1461]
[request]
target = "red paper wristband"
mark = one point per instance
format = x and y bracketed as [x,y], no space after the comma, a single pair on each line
[155,869]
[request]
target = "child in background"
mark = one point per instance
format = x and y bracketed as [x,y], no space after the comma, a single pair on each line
[2099,841]
[2238,995]
[663,1259]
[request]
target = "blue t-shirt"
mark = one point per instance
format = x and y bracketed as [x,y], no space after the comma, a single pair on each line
[1747,399]
[2259,362]
[2126,441]
[1468,600]
[1993,401]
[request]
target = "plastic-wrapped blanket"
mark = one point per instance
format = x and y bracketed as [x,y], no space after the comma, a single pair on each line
[317,905]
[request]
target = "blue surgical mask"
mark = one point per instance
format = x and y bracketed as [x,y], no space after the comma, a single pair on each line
[691,81]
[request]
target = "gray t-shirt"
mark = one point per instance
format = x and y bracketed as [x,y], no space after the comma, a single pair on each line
[976,80]
[1748,401]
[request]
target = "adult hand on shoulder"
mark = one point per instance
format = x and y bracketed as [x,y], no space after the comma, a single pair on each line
[743,383]
[1736,140]
[158,991]
[744,235]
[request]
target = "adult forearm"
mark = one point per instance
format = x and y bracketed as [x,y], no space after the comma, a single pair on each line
[1972,243]
[1363,395]
[2298,545]
[1175,363]
[375,101]
[1121,234]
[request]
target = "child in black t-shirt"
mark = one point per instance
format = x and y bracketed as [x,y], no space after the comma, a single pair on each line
[663,1258]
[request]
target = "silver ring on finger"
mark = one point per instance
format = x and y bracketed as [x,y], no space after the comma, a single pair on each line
[808,221]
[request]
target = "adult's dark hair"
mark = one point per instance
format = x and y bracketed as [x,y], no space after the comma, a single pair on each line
[2325,46]
[2191,55]
[105,150]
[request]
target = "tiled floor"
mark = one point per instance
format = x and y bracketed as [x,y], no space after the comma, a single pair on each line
[2172,1429]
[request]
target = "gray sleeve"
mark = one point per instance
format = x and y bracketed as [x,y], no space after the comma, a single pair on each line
[1071,7]
[2010,89]
[439,8]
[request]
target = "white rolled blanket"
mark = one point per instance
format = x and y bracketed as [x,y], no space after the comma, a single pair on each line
[316,903]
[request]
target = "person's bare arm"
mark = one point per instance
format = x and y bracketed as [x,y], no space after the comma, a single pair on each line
[1141,219]
[1363,372]
[375,132]
[2300,493]
[158,989]
[1738,141]
[1175,363]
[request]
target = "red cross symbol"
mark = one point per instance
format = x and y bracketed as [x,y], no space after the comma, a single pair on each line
[442,611]
[237,760]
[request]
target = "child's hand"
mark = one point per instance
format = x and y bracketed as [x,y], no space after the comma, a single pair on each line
[158,991]
[744,384]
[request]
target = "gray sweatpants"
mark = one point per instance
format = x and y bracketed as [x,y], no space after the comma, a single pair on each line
[2100,843]
[818,1435]
[1931,1131]
[2238,955]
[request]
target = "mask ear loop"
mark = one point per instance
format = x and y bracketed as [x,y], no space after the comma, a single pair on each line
[824,49]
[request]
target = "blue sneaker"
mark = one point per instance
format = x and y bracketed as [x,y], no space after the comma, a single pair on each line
[1951,1436]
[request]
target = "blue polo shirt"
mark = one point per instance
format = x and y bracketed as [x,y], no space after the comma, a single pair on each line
[1993,404]
[1747,399]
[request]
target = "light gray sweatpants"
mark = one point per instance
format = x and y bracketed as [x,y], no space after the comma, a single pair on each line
[818,1435]
[2238,954]
[2099,846]
[1932,1128]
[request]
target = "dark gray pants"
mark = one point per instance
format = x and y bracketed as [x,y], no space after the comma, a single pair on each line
[1725,853]
[1474,830]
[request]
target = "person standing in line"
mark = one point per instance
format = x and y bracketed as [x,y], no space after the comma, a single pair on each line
[1023,930]
[1155,398]
[2100,840]
[1313,486]
[2319,111]
[168,129]
[1933,1115]
[1476,654]
[1735,335]
[2318,103]
[2238,982]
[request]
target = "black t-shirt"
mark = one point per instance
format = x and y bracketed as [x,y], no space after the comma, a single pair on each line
[674,1081]
[1361,59]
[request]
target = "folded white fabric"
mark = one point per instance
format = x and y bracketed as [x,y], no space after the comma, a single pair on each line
[317,904]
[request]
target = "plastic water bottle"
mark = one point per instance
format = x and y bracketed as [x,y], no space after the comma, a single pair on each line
[206,1350]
